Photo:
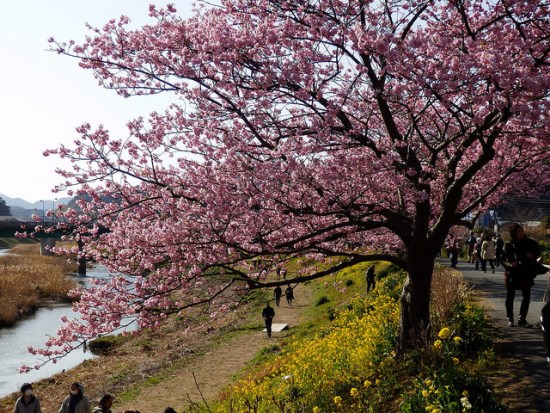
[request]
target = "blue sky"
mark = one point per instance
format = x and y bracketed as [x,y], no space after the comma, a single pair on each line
[44,96]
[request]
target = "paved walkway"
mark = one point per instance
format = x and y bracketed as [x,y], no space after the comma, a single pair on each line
[522,344]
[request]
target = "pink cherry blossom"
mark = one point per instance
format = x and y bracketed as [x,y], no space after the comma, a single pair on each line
[339,131]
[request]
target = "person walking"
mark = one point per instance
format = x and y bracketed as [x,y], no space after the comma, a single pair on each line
[477,253]
[268,314]
[470,243]
[545,319]
[499,247]
[452,249]
[27,402]
[76,401]
[520,257]
[278,292]
[289,294]
[488,253]
[371,283]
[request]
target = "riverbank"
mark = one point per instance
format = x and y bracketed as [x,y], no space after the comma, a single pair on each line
[145,362]
[7,243]
[27,279]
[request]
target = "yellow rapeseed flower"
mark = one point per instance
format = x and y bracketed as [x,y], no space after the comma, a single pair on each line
[425,394]
[316,410]
[456,360]
[465,403]
[354,392]
[367,384]
[438,344]
[337,400]
[457,339]
[444,333]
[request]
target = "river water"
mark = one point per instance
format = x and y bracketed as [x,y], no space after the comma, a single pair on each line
[34,331]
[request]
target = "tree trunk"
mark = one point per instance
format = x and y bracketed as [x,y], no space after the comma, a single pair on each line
[414,322]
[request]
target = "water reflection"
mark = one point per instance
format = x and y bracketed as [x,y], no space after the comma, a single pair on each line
[34,331]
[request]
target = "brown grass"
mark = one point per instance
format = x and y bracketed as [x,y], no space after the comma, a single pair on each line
[26,278]
[448,290]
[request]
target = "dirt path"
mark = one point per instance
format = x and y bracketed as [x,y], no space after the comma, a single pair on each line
[213,371]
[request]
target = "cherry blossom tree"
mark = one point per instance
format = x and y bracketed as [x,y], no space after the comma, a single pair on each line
[329,131]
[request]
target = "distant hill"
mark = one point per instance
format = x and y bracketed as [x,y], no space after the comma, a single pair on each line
[22,209]
[19,202]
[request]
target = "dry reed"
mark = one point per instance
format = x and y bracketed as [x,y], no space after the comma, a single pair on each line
[448,290]
[27,278]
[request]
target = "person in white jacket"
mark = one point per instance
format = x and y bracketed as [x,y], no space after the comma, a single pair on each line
[488,254]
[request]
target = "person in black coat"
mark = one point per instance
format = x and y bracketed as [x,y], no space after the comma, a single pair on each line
[371,283]
[545,319]
[278,292]
[289,294]
[499,247]
[268,314]
[520,259]
[76,401]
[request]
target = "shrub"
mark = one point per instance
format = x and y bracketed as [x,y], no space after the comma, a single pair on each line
[322,300]
[448,291]
[331,314]
[444,384]
[105,344]
[385,271]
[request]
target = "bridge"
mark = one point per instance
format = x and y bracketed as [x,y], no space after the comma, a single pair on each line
[8,229]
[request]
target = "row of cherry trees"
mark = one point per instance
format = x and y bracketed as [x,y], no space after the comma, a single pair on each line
[343,131]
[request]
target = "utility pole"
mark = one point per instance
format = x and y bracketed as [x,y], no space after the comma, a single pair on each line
[53,209]
[43,211]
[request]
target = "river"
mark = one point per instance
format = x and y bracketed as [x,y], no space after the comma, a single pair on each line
[33,331]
